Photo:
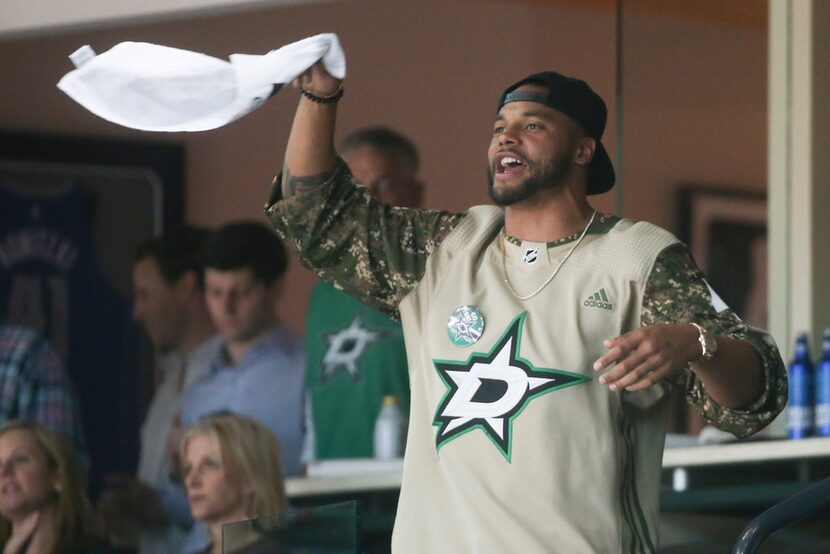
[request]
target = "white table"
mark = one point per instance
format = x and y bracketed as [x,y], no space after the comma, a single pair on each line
[683,457]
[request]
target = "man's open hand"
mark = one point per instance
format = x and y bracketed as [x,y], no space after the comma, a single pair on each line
[648,355]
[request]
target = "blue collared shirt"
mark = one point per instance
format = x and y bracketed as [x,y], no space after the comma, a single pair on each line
[266,385]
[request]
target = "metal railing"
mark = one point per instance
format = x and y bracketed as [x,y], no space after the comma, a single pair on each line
[788,511]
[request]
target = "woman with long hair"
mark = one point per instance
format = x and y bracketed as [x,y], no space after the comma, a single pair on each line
[43,505]
[232,472]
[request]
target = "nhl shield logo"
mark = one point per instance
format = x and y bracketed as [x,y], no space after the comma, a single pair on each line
[530,256]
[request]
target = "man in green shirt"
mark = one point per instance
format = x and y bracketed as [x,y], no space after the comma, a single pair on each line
[355,355]
[543,337]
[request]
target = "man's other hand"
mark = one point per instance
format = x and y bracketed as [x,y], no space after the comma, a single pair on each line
[648,355]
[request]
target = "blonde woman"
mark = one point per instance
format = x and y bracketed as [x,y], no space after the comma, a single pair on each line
[232,472]
[43,506]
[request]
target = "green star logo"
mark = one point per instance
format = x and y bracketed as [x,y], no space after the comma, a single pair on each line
[489,391]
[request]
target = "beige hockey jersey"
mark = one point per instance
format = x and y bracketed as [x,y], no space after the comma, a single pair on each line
[513,445]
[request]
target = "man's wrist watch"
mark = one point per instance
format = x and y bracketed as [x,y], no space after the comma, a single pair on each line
[708,344]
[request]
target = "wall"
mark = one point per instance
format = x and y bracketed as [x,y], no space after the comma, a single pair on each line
[694,103]
[25,18]
[435,69]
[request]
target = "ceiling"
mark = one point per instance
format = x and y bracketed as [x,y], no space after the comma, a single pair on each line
[22,18]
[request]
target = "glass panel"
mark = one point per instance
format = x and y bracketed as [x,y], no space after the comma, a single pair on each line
[330,529]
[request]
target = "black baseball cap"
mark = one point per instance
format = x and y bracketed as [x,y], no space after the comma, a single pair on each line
[578,101]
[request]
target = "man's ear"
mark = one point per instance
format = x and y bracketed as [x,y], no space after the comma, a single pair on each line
[585,151]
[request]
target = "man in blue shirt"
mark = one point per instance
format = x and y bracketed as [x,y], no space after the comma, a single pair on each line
[258,372]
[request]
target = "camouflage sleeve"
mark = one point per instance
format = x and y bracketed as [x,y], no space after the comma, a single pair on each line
[371,250]
[676,291]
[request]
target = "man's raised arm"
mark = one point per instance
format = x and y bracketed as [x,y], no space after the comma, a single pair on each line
[310,151]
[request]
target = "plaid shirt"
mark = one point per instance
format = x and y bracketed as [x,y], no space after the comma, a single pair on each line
[34,386]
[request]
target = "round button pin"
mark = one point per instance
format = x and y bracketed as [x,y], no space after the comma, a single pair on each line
[465,326]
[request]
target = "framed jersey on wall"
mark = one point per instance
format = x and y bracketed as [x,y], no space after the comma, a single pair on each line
[72,211]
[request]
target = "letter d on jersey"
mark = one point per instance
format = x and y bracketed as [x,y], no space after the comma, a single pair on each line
[489,391]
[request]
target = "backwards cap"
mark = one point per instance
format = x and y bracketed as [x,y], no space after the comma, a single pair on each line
[578,101]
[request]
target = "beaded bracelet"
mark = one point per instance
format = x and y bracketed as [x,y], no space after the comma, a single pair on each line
[330,99]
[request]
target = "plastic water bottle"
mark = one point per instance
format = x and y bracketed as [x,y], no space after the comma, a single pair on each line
[800,410]
[389,430]
[823,388]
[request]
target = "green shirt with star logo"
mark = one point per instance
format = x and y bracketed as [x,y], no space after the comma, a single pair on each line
[355,356]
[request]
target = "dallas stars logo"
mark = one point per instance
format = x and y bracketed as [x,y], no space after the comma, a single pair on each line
[489,391]
[346,348]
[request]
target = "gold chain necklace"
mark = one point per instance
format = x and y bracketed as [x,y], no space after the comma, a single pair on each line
[555,271]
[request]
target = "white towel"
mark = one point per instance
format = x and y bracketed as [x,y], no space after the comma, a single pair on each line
[156,88]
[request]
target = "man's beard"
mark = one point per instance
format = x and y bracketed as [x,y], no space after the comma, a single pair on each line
[541,176]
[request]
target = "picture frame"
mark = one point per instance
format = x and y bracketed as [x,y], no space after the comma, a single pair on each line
[726,232]
[98,198]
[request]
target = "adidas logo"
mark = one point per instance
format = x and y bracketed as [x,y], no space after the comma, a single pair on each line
[599,300]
